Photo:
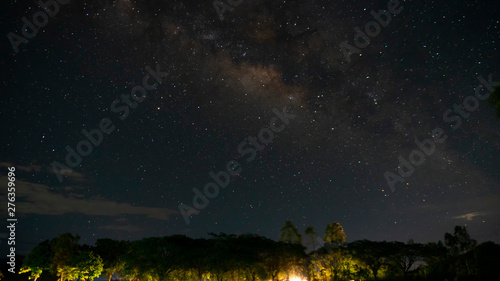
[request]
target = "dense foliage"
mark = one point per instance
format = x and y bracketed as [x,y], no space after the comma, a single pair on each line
[226,257]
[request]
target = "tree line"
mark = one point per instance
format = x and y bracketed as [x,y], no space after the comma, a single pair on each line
[250,257]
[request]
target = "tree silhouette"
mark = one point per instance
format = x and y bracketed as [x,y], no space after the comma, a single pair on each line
[111,252]
[228,257]
[311,237]
[290,234]
[373,254]
[459,244]
[494,99]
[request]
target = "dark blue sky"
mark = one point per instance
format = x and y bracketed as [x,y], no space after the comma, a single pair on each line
[222,83]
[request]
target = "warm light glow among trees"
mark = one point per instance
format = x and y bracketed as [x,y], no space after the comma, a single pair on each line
[250,257]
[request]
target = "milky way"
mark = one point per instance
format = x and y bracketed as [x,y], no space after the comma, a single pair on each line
[353,118]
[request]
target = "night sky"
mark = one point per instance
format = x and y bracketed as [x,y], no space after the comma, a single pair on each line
[223,84]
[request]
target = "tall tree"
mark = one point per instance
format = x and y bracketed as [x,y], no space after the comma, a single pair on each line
[311,237]
[195,260]
[280,257]
[406,256]
[65,249]
[290,234]
[334,234]
[38,260]
[251,246]
[111,252]
[147,257]
[88,265]
[459,244]
[331,261]
[222,257]
[437,261]
[373,254]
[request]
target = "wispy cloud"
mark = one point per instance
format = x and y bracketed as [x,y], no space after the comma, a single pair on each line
[70,174]
[470,216]
[33,198]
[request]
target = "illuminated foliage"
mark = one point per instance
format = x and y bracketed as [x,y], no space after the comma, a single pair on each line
[65,248]
[88,265]
[37,261]
[250,257]
[334,234]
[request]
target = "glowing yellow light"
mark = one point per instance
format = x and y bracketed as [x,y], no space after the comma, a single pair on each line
[296,278]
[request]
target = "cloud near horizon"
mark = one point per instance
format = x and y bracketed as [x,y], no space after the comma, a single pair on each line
[34,198]
[69,174]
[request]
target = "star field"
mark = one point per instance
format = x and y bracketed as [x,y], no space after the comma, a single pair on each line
[352,119]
